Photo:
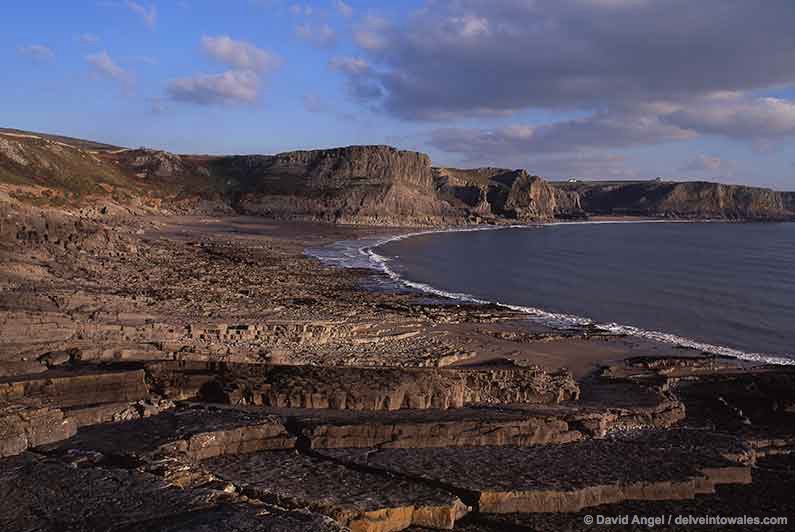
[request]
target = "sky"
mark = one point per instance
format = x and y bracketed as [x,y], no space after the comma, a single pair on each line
[594,89]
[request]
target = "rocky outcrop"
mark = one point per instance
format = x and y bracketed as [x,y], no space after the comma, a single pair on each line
[27,424]
[153,163]
[385,388]
[509,194]
[63,388]
[356,184]
[414,429]
[196,433]
[399,449]
[691,200]
[376,185]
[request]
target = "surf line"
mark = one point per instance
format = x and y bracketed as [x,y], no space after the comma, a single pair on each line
[551,319]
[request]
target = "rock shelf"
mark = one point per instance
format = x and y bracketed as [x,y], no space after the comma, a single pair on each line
[187,376]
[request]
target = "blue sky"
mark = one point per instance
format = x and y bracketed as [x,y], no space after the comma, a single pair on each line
[589,88]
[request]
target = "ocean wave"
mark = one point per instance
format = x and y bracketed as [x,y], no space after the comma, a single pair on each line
[362,253]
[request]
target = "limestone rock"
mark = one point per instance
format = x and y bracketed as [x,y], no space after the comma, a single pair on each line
[566,478]
[26,424]
[682,200]
[361,501]
[194,432]
[385,388]
[86,386]
[48,496]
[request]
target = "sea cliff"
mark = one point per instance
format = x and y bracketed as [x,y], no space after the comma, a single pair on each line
[369,185]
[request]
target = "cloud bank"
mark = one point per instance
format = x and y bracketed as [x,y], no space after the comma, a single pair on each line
[241,84]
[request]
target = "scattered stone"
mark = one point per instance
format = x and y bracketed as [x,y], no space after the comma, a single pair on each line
[55,358]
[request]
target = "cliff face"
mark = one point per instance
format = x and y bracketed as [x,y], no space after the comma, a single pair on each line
[683,200]
[506,194]
[377,185]
[357,184]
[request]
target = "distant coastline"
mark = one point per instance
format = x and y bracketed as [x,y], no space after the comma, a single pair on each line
[373,185]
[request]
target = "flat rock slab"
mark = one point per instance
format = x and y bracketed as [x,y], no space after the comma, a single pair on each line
[362,501]
[198,432]
[770,495]
[673,464]
[47,496]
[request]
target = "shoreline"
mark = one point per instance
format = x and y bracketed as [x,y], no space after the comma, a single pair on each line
[196,348]
[557,321]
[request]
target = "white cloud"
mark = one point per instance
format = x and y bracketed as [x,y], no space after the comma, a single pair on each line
[735,116]
[103,65]
[240,54]
[37,52]
[241,84]
[322,35]
[231,87]
[149,16]
[343,9]
[598,131]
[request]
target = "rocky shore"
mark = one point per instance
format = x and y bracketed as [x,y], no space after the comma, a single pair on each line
[198,373]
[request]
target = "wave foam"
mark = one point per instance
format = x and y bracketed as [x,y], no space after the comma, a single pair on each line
[361,254]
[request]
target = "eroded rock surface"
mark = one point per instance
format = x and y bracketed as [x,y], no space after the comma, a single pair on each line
[359,500]
[197,432]
[157,375]
[566,478]
[386,389]
[26,424]
[44,495]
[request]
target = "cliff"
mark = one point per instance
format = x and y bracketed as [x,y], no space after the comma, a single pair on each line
[506,194]
[377,185]
[356,184]
[687,200]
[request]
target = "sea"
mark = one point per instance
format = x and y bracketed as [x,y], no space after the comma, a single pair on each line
[723,288]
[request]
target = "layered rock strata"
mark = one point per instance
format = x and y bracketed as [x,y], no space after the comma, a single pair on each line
[386,389]
[377,470]
[679,465]
[375,185]
[355,499]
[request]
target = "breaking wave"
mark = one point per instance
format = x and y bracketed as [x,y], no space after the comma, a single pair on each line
[362,253]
